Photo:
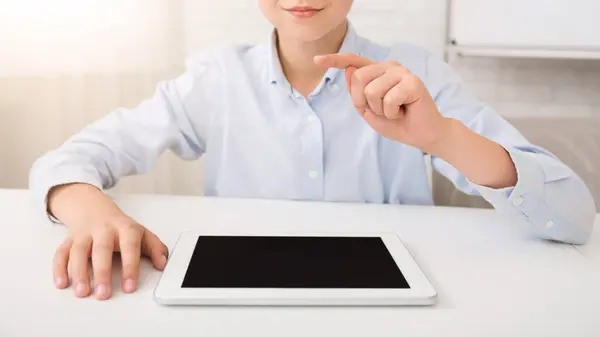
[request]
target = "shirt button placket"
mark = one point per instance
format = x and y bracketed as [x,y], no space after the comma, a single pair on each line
[313,152]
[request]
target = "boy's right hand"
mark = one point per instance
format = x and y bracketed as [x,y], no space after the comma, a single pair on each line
[98,229]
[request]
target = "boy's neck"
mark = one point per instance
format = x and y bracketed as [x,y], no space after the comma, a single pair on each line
[297,57]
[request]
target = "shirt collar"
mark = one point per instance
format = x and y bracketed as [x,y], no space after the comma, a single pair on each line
[349,45]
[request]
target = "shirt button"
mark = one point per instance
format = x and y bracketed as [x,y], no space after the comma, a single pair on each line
[313,174]
[518,201]
[335,87]
[550,224]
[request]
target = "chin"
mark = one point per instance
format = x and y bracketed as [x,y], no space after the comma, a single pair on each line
[305,32]
[305,35]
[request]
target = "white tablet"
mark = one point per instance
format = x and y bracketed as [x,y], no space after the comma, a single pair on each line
[313,270]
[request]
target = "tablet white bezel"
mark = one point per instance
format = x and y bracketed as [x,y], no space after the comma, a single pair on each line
[169,291]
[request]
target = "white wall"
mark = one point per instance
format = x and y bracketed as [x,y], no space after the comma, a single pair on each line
[66,63]
[38,111]
[60,37]
[545,88]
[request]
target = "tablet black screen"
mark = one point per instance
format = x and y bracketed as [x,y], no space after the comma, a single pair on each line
[292,262]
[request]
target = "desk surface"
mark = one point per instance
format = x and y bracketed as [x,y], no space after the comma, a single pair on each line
[592,250]
[493,278]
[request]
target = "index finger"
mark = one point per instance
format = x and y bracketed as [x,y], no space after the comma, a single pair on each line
[342,61]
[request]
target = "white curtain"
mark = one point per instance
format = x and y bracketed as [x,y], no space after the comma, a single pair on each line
[66,63]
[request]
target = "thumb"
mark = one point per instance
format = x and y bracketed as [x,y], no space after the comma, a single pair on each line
[342,61]
[349,72]
[154,249]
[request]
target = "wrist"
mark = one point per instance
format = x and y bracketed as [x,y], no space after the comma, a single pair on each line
[481,160]
[79,203]
[445,142]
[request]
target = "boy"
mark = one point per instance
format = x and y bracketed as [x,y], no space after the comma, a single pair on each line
[317,113]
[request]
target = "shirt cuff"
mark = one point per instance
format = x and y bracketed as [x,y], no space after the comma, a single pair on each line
[525,196]
[42,185]
[530,199]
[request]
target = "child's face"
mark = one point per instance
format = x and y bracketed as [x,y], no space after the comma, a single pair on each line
[306,20]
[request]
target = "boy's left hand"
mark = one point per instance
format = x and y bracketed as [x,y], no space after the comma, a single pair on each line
[392,100]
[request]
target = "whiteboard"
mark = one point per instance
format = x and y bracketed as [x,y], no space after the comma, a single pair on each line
[544,24]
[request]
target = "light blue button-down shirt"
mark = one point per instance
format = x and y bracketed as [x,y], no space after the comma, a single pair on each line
[261,139]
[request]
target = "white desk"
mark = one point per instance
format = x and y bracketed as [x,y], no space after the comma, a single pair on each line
[592,249]
[492,277]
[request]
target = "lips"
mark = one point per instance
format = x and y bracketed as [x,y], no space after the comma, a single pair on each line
[304,12]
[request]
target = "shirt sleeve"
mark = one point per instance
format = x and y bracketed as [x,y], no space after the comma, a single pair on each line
[548,196]
[130,141]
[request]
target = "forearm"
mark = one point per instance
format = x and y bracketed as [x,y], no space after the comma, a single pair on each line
[482,161]
[126,142]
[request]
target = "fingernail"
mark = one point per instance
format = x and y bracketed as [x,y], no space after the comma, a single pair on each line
[58,282]
[129,285]
[100,290]
[80,289]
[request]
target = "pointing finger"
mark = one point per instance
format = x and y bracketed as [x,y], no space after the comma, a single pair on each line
[342,61]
